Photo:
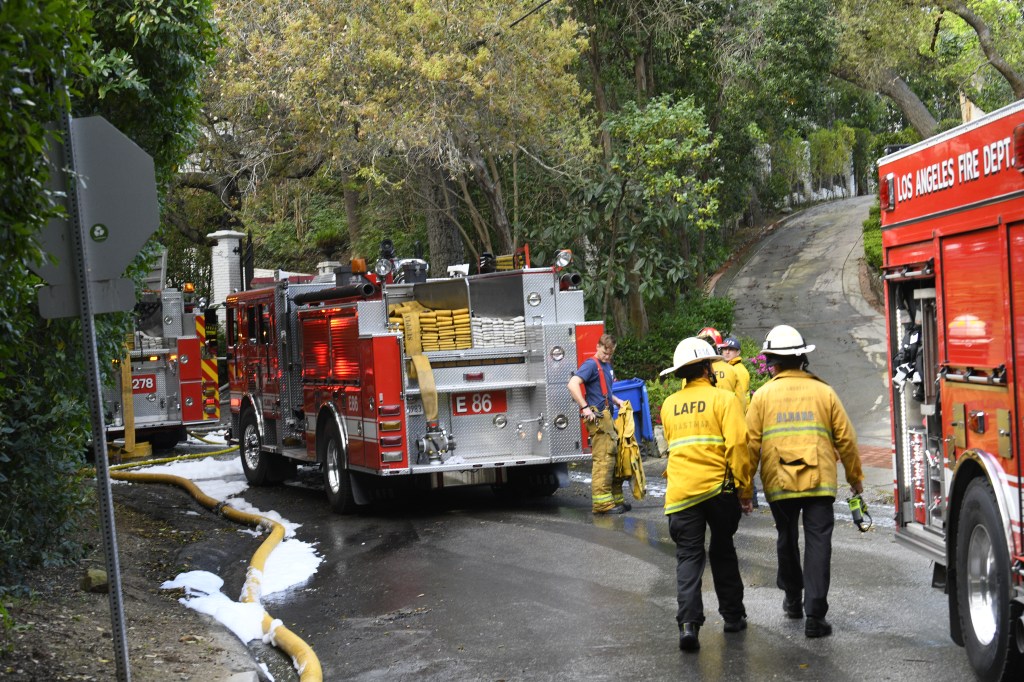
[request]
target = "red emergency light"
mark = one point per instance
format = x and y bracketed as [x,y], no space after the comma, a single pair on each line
[887,193]
[1018,147]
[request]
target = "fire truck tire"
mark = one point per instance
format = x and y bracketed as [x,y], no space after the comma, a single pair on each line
[261,468]
[337,479]
[983,587]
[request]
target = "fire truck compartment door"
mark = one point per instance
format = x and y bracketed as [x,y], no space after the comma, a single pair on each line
[192,401]
[190,361]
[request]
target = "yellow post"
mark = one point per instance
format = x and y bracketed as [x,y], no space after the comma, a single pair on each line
[128,402]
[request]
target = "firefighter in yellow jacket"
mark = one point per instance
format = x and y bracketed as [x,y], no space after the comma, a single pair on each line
[730,350]
[726,375]
[797,426]
[708,487]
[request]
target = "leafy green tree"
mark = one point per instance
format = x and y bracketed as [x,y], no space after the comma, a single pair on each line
[42,45]
[656,200]
[141,58]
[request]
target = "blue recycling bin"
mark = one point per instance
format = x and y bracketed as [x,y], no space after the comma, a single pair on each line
[635,391]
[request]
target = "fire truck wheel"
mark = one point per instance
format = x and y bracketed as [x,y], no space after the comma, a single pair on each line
[983,587]
[259,466]
[337,481]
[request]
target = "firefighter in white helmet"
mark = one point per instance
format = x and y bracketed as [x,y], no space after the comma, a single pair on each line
[726,376]
[797,425]
[709,484]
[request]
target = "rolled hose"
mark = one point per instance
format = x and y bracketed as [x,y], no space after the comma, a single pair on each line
[303,658]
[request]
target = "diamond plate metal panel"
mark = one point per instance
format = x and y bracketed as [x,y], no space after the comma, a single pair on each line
[570,307]
[373,317]
[542,284]
[173,308]
[164,404]
[567,441]
[454,378]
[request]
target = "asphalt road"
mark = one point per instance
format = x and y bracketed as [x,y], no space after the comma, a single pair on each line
[806,274]
[465,586]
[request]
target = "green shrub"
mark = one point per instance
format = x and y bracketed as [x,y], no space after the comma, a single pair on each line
[645,358]
[658,391]
[872,228]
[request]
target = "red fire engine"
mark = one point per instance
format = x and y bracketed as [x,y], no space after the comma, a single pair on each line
[953,243]
[169,373]
[390,377]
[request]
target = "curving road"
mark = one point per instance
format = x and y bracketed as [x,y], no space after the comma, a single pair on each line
[806,273]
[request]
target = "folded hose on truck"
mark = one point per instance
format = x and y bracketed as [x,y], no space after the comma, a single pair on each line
[304,659]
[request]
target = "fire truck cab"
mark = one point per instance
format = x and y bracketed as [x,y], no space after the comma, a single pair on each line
[432,382]
[952,213]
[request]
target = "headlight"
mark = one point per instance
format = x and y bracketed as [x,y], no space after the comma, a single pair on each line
[383,267]
[563,258]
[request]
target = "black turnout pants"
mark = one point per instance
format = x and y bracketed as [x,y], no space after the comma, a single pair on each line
[813,581]
[687,527]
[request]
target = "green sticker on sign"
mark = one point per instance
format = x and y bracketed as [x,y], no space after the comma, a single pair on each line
[99,232]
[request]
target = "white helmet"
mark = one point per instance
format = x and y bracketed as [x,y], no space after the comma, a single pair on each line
[689,351]
[784,340]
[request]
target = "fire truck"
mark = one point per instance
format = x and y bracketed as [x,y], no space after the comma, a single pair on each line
[952,213]
[168,376]
[391,378]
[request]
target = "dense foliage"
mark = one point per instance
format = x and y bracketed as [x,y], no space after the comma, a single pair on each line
[138,63]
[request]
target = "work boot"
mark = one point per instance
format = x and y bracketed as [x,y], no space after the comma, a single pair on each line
[735,625]
[793,608]
[626,506]
[688,640]
[617,509]
[817,627]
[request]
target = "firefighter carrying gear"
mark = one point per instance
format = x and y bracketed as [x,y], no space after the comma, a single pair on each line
[707,444]
[603,446]
[797,424]
[629,465]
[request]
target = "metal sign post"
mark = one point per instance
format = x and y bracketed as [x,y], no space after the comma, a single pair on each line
[112,210]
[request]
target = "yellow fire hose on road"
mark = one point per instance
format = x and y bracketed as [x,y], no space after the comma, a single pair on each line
[303,658]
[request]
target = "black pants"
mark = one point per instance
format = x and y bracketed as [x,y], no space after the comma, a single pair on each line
[813,581]
[687,527]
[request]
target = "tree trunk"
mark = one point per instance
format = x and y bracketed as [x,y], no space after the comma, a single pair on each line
[985,41]
[351,195]
[492,191]
[639,324]
[443,236]
[600,101]
[896,89]
[910,104]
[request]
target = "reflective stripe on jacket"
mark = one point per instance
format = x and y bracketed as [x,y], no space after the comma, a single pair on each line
[706,438]
[797,426]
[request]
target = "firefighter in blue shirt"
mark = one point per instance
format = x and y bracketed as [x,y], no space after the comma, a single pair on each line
[591,388]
